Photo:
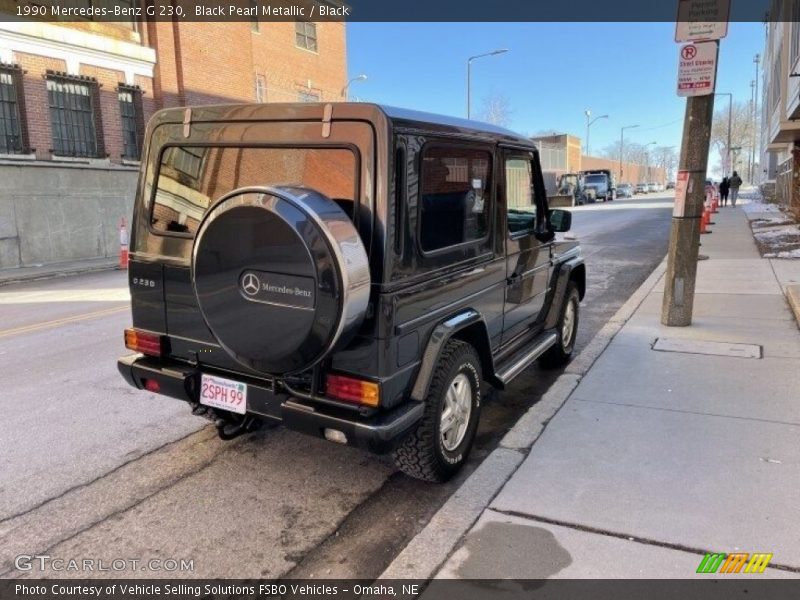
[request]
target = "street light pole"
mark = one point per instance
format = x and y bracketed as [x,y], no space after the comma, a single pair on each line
[346,87]
[469,75]
[622,145]
[589,123]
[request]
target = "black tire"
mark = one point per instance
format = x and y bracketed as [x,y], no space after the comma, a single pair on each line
[561,352]
[423,454]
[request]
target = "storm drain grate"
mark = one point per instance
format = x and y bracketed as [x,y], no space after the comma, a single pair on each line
[708,347]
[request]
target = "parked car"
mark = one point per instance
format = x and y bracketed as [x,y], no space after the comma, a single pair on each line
[670,185]
[660,187]
[572,184]
[652,188]
[371,301]
[624,190]
[642,188]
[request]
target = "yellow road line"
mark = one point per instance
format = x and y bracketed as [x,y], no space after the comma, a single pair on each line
[64,321]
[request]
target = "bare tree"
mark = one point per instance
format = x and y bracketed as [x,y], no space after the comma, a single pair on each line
[741,124]
[666,158]
[496,110]
[632,152]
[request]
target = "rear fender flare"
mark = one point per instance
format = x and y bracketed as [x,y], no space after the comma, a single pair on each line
[468,326]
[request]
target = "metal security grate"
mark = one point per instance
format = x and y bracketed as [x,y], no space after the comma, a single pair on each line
[72,117]
[10,126]
[128,108]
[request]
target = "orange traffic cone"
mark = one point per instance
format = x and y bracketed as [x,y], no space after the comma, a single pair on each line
[123,246]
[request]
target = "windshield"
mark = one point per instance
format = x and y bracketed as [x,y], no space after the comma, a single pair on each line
[191,178]
[596,179]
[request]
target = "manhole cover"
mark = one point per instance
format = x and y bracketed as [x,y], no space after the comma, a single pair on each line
[707,347]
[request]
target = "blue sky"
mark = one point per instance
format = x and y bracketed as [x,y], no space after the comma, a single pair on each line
[553,72]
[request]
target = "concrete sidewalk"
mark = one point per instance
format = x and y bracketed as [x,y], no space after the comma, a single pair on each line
[673,443]
[61,269]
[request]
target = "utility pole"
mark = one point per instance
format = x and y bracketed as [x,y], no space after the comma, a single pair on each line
[684,239]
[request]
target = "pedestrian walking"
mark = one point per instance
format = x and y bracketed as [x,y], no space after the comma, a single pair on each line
[735,182]
[724,188]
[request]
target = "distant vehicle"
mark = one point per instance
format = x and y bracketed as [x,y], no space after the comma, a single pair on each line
[624,190]
[602,182]
[652,188]
[641,188]
[670,185]
[659,187]
[571,184]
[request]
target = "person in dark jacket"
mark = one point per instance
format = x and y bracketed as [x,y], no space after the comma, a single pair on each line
[724,188]
[735,182]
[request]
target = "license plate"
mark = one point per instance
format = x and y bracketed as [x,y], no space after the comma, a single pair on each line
[223,393]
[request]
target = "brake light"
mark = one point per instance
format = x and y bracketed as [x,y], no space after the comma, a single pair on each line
[354,390]
[146,343]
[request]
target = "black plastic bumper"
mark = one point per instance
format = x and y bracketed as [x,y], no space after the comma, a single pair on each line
[377,434]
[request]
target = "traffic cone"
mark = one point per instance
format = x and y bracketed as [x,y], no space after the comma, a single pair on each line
[123,246]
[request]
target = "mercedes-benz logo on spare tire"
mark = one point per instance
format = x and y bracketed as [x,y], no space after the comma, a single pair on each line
[250,284]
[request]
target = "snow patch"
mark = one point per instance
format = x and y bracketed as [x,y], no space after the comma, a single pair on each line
[784,254]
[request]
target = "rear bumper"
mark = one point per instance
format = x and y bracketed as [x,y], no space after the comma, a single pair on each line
[379,433]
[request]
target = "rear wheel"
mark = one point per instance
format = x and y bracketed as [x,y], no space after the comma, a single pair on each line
[440,445]
[566,329]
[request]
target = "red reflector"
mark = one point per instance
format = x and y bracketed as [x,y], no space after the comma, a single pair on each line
[151,385]
[352,390]
[146,343]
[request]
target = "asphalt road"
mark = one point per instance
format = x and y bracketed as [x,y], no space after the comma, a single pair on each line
[91,468]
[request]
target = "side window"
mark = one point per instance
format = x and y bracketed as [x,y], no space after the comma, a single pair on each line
[520,201]
[454,196]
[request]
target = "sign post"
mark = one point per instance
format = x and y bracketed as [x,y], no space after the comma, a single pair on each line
[701,23]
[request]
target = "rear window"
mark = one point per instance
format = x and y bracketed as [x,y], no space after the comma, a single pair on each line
[191,178]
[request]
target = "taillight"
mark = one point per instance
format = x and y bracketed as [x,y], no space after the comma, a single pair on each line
[146,343]
[354,390]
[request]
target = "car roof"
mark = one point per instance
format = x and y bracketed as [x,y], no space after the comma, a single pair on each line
[402,118]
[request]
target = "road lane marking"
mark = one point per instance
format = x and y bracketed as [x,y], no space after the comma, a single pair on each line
[63,321]
[51,296]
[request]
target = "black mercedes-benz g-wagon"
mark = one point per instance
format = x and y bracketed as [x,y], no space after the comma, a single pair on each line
[356,272]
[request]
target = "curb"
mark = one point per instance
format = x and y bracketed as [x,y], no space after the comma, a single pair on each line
[793,296]
[430,548]
[64,271]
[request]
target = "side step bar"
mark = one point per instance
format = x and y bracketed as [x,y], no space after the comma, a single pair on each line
[520,361]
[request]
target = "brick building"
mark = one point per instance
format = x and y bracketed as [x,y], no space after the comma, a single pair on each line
[75,97]
[85,90]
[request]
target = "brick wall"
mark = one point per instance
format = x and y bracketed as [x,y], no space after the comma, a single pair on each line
[631,172]
[198,63]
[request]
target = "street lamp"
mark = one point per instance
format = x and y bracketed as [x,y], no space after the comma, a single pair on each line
[730,117]
[621,146]
[469,73]
[589,123]
[361,77]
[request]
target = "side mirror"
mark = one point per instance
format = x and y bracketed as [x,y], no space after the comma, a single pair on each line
[560,220]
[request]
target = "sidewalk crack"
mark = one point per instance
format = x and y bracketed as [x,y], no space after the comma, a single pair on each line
[627,537]
[690,412]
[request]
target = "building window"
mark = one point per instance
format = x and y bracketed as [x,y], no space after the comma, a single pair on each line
[130,109]
[261,88]
[10,122]
[307,96]
[306,35]
[775,82]
[72,116]
[455,201]
[795,49]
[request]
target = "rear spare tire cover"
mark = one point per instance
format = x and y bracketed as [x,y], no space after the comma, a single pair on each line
[281,277]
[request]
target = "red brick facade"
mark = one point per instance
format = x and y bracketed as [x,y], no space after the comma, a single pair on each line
[193,63]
